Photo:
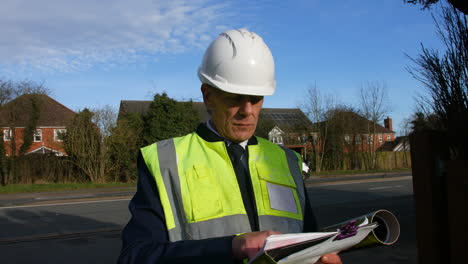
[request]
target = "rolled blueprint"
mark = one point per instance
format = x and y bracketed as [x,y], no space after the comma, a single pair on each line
[386,233]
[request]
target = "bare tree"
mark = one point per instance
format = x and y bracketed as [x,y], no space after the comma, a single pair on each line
[105,118]
[426,4]
[374,106]
[317,106]
[10,90]
[445,78]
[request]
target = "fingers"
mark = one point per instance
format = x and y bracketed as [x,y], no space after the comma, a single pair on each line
[330,259]
[248,244]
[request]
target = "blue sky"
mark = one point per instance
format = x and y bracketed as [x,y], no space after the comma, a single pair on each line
[95,53]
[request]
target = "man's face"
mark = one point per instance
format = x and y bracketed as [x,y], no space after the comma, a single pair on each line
[235,116]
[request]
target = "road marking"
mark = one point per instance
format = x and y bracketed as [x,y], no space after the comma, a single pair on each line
[39,205]
[32,238]
[385,187]
[63,197]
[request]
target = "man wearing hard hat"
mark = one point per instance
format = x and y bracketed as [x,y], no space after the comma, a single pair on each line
[213,196]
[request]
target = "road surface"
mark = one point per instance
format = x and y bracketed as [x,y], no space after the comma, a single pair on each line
[89,231]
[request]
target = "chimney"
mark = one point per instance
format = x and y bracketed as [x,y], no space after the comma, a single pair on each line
[388,123]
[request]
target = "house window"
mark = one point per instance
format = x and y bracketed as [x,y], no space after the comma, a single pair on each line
[315,137]
[370,139]
[380,138]
[389,138]
[38,135]
[59,134]
[358,139]
[278,139]
[7,135]
[347,139]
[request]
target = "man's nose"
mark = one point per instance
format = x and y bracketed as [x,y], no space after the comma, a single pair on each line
[246,106]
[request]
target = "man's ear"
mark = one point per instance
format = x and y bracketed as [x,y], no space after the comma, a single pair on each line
[207,92]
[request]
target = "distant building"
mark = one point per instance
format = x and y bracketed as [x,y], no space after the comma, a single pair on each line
[291,128]
[52,118]
[141,107]
[399,144]
[361,134]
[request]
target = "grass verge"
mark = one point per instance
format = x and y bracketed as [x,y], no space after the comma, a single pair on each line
[49,187]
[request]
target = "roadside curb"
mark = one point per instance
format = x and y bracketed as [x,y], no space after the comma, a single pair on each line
[334,178]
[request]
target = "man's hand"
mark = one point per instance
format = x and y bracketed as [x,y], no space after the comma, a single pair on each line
[329,259]
[248,244]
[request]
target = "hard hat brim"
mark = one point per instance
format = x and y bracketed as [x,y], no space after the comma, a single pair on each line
[265,90]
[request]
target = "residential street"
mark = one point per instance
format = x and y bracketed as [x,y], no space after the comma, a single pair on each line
[88,231]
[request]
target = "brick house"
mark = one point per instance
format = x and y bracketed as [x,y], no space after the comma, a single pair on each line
[292,129]
[51,116]
[360,134]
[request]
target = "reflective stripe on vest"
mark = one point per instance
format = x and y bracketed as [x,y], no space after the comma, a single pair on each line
[200,195]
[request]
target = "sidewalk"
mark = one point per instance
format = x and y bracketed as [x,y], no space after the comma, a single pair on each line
[17,199]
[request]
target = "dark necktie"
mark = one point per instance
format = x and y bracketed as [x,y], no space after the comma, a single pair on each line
[238,157]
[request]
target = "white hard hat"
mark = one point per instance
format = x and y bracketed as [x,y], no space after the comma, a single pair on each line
[239,62]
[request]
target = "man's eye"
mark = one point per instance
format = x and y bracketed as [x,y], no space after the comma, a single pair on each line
[235,99]
[255,99]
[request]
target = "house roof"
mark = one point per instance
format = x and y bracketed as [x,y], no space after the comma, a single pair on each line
[287,119]
[396,145]
[132,106]
[17,113]
[140,107]
[46,150]
[358,123]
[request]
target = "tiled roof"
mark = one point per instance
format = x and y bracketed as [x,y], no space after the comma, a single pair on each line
[287,119]
[358,123]
[129,106]
[17,113]
[392,145]
[140,107]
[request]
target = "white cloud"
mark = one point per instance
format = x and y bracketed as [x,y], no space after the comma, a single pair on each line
[70,35]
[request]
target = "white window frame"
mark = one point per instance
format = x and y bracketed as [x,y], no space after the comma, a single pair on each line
[389,137]
[7,133]
[57,131]
[347,139]
[358,139]
[278,139]
[380,138]
[38,133]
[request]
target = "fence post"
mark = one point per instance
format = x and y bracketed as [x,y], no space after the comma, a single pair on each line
[428,154]
[457,200]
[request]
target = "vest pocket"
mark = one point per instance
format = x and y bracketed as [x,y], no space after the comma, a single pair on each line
[279,191]
[204,194]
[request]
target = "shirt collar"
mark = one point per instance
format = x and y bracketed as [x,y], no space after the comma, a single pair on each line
[228,142]
[208,133]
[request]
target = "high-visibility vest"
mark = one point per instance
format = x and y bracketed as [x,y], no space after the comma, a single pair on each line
[200,195]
